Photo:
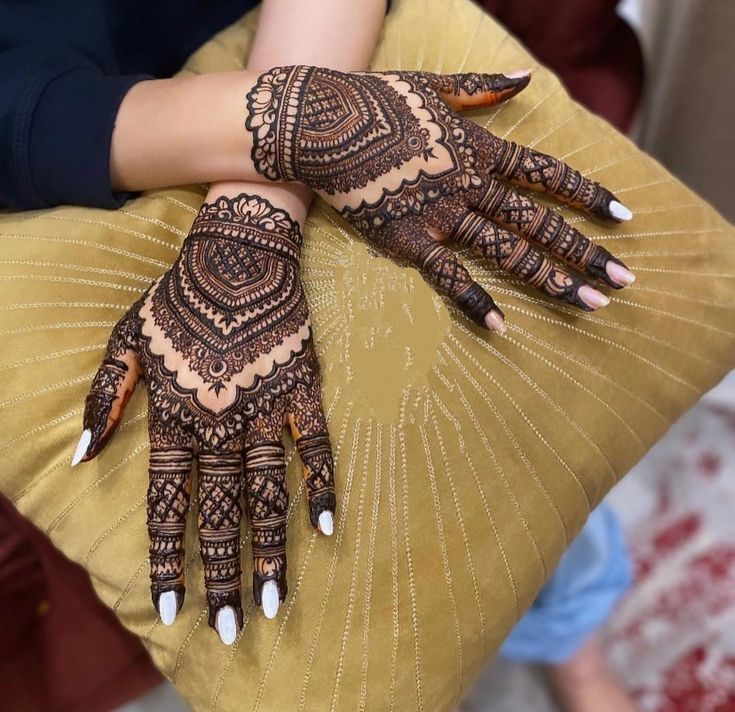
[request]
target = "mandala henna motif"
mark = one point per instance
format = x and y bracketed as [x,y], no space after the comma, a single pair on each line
[387,152]
[224,343]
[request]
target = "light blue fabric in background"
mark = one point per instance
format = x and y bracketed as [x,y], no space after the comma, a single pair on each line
[592,576]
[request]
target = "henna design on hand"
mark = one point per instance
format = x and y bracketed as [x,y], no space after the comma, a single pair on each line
[169,488]
[390,155]
[224,343]
[267,504]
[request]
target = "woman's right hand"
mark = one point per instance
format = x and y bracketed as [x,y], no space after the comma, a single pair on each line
[224,344]
[387,151]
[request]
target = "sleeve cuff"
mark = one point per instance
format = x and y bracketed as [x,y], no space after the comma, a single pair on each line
[70,136]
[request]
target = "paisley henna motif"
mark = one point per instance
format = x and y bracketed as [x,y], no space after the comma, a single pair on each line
[224,343]
[387,152]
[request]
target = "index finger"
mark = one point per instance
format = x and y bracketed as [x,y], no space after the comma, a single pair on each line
[532,169]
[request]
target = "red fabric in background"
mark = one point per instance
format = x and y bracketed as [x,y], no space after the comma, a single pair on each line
[596,54]
[60,647]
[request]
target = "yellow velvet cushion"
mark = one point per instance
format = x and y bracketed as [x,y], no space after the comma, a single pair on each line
[465,462]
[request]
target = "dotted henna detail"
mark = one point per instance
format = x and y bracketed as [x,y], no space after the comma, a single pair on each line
[229,319]
[388,153]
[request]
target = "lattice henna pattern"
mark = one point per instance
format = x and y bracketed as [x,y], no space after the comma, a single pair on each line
[224,343]
[386,151]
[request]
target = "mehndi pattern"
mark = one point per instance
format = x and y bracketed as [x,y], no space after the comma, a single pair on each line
[391,156]
[224,343]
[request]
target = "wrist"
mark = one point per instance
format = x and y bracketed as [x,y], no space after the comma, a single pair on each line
[249,221]
[293,198]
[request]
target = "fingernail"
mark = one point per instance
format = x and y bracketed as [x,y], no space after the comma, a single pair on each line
[270,599]
[326,523]
[495,322]
[226,624]
[82,446]
[619,274]
[167,607]
[519,74]
[592,297]
[619,211]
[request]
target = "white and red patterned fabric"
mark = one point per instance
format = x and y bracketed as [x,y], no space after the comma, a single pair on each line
[672,639]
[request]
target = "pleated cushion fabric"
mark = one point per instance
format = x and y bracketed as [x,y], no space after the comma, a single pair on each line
[465,462]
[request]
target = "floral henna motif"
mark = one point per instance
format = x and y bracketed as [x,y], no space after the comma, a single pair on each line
[223,341]
[387,152]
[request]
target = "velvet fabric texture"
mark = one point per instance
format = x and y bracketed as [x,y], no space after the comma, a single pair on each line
[61,650]
[465,462]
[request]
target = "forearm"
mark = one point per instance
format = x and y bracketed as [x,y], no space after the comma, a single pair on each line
[191,129]
[182,130]
[340,34]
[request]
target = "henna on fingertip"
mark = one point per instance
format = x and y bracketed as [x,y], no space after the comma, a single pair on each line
[223,341]
[388,153]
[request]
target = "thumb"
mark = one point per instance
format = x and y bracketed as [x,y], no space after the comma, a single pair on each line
[473,90]
[111,388]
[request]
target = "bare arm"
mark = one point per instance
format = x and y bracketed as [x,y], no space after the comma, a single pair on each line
[251,366]
[190,129]
[340,34]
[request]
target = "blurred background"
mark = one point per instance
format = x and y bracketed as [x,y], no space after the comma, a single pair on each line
[662,72]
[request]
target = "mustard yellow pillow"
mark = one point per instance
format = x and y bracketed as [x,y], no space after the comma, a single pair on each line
[465,463]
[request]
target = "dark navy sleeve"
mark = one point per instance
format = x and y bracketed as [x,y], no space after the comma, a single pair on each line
[57,113]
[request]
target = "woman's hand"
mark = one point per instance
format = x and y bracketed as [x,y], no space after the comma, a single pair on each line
[223,341]
[388,153]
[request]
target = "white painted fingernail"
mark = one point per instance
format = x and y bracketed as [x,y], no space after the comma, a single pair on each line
[495,322]
[326,523]
[226,624]
[592,297]
[167,607]
[619,274]
[82,446]
[619,211]
[519,73]
[270,599]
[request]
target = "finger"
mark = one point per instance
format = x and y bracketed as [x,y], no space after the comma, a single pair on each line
[473,90]
[220,517]
[518,256]
[536,170]
[549,229]
[265,483]
[169,487]
[309,431]
[111,389]
[447,274]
